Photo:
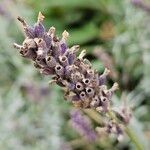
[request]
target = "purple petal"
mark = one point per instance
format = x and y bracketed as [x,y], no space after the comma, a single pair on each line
[47,40]
[71,58]
[29,31]
[39,30]
[63,48]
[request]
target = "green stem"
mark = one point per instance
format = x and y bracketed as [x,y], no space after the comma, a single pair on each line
[93,115]
[129,132]
[133,138]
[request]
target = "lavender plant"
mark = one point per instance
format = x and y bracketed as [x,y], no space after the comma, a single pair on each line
[141,4]
[82,85]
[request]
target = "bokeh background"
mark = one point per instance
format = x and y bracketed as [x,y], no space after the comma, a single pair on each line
[116,35]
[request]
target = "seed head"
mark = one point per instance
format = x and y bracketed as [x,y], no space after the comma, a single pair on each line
[84,86]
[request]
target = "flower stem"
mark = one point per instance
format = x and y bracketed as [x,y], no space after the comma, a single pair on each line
[133,137]
[93,115]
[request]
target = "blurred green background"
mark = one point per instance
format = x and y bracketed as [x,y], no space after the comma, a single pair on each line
[116,35]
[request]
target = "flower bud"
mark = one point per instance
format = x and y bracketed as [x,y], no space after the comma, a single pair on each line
[79,86]
[55,52]
[90,73]
[90,91]
[83,95]
[42,48]
[59,70]
[71,58]
[40,54]
[87,62]
[62,44]
[47,40]
[39,30]
[63,48]
[29,44]
[38,27]
[74,49]
[82,54]
[51,62]
[86,81]
[41,43]
[63,60]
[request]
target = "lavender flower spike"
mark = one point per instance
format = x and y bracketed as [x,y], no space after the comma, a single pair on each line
[83,86]
[82,125]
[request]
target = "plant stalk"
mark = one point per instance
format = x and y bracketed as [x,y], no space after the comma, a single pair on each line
[133,137]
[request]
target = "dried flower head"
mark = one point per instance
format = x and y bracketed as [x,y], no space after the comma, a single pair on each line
[84,86]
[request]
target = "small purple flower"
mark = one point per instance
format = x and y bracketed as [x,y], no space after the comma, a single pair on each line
[63,48]
[62,44]
[47,40]
[82,125]
[71,58]
[39,30]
